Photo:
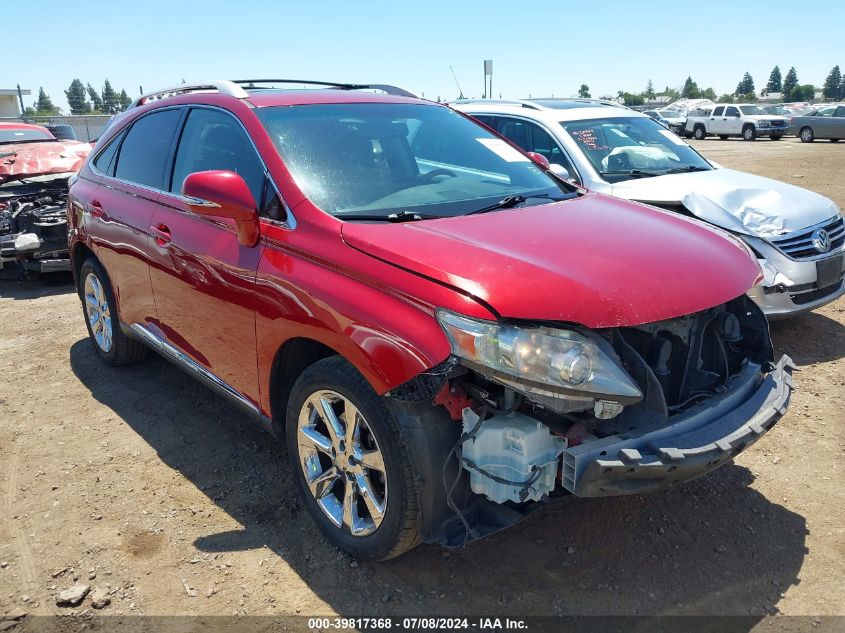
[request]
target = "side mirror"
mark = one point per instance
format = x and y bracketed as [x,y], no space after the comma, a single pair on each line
[223,194]
[540,160]
[561,172]
[737,115]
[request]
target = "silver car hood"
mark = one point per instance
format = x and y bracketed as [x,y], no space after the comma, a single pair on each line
[734,200]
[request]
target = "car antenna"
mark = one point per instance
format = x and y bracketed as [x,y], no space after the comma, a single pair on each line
[460,92]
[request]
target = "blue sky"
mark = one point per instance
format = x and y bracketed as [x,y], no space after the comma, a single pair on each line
[539,48]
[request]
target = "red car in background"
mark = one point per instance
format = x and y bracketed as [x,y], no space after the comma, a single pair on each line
[447,336]
[35,168]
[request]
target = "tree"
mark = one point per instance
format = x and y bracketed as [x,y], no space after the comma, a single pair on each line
[775,84]
[44,104]
[124,100]
[690,89]
[789,82]
[726,99]
[671,93]
[708,93]
[76,98]
[649,90]
[96,100]
[632,99]
[584,91]
[111,100]
[833,84]
[745,85]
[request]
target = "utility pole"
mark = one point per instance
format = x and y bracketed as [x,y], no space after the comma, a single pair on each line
[488,72]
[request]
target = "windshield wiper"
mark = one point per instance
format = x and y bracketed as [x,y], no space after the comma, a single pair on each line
[511,201]
[400,216]
[688,168]
[634,173]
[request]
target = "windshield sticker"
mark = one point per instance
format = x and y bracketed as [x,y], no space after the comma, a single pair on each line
[672,137]
[503,150]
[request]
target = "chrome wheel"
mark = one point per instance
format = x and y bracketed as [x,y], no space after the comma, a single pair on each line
[97,310]
[807,135]
[342,463]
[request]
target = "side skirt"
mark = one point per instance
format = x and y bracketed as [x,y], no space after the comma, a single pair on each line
[210,380]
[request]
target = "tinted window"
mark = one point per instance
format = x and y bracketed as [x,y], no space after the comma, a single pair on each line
[532,138]
[105,161]
[18,135]
[215,140]
[731,111]
[718,111]
[826,111]
[840,111]
[144,152]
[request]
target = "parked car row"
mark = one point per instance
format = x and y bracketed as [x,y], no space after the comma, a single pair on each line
[453,315]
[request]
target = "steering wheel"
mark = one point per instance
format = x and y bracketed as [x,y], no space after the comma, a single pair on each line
[434,173]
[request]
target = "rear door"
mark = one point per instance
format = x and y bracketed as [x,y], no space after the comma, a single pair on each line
[732,121]
[203,279]
[717,121]
[839,122]
[131,170]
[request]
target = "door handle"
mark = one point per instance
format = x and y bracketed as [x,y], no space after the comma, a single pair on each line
[161,233]
[96,209]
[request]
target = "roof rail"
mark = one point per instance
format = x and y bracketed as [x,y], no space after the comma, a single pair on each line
[391,90]
[222,86]
[520,102]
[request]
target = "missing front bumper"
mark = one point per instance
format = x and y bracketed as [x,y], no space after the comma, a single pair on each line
[695,443]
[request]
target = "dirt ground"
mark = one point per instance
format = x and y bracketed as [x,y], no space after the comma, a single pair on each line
[141,482]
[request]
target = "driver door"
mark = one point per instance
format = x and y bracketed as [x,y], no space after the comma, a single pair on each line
[203,280]
[733,122]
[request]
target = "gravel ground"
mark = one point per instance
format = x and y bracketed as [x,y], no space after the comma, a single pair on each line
[160,497]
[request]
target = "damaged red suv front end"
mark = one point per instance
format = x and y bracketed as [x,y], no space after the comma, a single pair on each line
[446,335]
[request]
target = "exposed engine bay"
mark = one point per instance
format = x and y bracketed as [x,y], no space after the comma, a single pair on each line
[33,225]
[696,390]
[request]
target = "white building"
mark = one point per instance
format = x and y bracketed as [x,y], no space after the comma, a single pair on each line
[10,105]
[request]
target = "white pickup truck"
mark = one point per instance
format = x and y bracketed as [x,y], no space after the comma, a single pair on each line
[724,120]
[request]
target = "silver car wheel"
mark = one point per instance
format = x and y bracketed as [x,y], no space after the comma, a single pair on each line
[97,310]
[342,463]
[806,135]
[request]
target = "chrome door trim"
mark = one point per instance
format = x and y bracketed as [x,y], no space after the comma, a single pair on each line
[171,353]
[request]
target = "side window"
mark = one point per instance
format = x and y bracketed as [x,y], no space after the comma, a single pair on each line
[487,119]
[718,111]
[532,138]
[840,111]
[145,150]
[105,161]
[215,140]
[825,112]
[731,111]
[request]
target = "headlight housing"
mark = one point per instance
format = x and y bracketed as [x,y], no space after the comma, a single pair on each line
[551,360]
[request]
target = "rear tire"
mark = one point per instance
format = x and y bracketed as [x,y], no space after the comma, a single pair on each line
[699,132]
[110,343]
[749,133]
[807,135]
[375,495]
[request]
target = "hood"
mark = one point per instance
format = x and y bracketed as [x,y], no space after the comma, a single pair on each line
[594,260]
[734,200]
[18,160]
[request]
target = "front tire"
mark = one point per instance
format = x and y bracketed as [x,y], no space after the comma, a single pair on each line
[110,343]
[699,132]
[749,133]
[806,135]
[350,462]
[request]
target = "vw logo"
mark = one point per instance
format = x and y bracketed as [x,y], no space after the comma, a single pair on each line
[821,240]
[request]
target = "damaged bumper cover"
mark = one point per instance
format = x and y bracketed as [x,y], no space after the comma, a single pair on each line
[695,443]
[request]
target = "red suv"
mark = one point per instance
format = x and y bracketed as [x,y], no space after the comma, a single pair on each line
[447,336]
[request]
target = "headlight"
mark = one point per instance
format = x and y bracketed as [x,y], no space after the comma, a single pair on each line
[556,361]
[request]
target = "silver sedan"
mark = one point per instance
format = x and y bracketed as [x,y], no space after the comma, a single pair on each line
[827,122]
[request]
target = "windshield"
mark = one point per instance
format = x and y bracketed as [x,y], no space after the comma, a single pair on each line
[23,135]
[377,160]
[669,114]
[752,110]
[635,147]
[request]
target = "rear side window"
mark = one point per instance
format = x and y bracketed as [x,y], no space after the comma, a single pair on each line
[145,150]
[215,140]
[105,161]
[840,111]
[718,111]
[732,111]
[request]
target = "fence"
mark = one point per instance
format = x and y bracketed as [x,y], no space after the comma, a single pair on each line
[87,126]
